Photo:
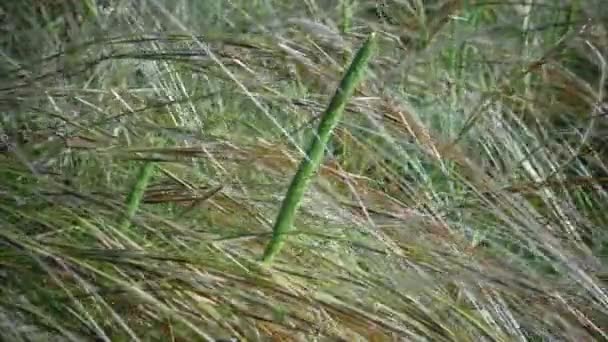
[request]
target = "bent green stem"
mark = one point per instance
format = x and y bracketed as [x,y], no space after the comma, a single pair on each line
[309,165]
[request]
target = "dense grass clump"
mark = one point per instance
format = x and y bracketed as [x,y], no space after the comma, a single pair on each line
[146,148]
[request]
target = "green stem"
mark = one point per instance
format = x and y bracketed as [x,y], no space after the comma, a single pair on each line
[347,16]
[309,165]
[137,193]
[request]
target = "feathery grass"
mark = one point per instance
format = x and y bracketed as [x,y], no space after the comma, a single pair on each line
[475,150]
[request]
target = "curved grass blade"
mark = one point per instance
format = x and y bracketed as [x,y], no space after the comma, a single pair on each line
[309,165]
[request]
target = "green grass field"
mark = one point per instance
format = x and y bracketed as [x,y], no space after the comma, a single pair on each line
[453,191]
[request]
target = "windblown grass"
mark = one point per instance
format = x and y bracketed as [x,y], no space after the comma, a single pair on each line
[462,198]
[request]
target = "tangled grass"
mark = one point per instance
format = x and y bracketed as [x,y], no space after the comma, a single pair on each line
[460,197]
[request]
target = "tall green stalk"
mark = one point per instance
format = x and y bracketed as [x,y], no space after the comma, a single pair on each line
[346,7]
[137,193]
[310,164]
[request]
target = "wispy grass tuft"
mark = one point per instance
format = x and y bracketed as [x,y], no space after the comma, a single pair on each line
[475,150]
